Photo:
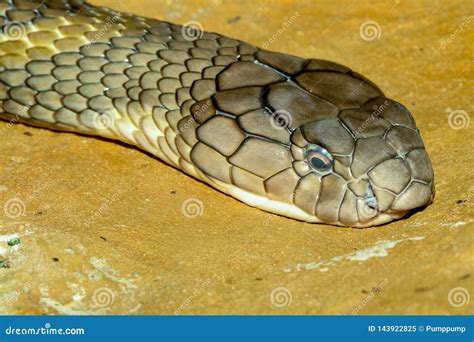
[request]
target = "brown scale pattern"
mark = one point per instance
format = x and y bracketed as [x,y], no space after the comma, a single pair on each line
[213,107]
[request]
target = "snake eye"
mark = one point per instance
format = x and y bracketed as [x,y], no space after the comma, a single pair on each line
[319,159]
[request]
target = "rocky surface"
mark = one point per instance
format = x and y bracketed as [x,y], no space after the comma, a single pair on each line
[101,227]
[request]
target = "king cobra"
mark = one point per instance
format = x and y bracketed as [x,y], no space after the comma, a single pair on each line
[308,139]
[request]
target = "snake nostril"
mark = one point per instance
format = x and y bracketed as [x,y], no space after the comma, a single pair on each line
[372,204]
[370,198]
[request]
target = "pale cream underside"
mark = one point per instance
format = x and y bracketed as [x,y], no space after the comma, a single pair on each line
[126,132]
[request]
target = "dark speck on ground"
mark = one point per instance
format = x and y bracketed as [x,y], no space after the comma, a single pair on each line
[234,19]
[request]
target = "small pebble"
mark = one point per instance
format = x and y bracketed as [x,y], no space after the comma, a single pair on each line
[13,242]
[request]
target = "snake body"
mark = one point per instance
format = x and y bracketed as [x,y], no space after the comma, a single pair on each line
[304,138]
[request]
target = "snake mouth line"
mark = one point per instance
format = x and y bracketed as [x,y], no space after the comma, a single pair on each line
[292,211]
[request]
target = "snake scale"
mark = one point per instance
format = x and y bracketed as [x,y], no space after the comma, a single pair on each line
[309,139]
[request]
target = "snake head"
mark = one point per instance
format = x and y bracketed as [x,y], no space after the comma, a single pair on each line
[358,155]
[311,139]
[367,166]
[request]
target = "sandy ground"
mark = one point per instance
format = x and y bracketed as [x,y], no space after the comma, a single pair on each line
[101,226]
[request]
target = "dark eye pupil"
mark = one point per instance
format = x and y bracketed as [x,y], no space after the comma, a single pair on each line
[319,159]
[318,163]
